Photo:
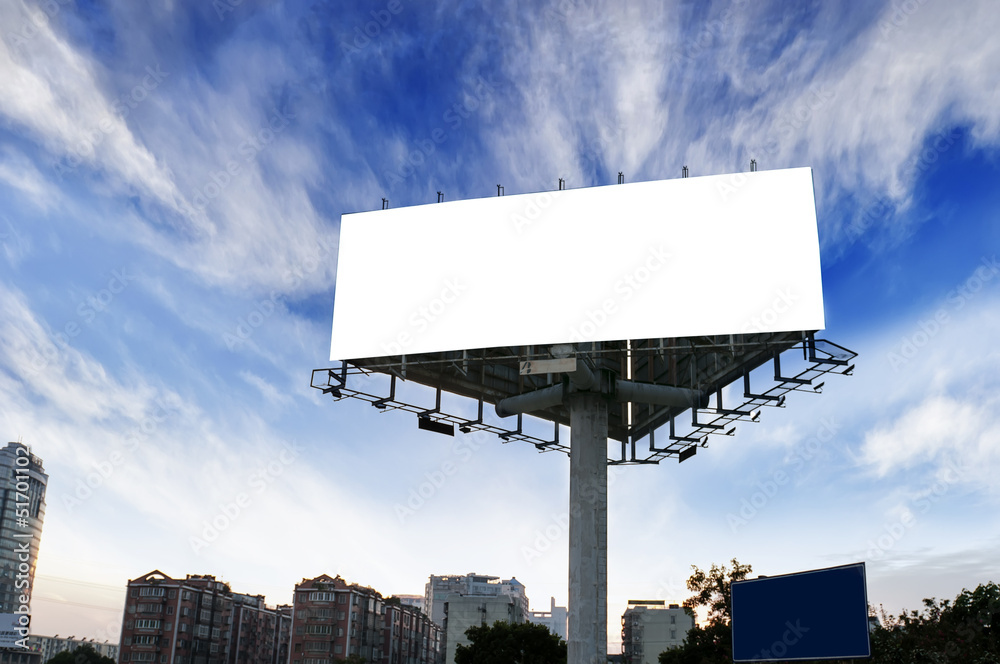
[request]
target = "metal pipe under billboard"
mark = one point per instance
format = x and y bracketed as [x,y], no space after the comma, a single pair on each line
[723,254]
[818,614]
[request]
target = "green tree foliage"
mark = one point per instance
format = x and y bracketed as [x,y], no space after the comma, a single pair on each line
[351,659]
[504,643]
[712,590]
[84,654]
[712,643]
[963,631]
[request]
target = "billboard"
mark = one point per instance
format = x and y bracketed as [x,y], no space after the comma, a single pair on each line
[819,614]
[13,630]
[725,254]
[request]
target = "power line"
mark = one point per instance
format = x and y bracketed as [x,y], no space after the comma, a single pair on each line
[102,586]
[56,600]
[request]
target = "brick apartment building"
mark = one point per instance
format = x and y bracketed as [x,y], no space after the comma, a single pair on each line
[260,634]
[410,637]
[198,620]
[333,620]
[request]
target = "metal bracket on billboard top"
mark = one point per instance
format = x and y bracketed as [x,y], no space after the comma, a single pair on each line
[667,377]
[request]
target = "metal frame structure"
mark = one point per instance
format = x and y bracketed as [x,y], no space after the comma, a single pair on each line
[705,364]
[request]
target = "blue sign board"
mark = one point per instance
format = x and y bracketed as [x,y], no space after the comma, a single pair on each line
[819,614]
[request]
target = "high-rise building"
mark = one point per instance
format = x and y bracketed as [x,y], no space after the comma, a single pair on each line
[457,602]
[649,627]
[22,511]
[464,611]
[556,619]
[480,585]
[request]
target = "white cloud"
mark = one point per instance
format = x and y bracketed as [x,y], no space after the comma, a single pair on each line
[937,428]
[53,93]
[21,174]
[267,389]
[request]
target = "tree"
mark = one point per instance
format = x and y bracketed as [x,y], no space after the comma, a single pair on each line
[965,630]
[713,643]
[83,654]
[712,590]
[351,659]
[506,643]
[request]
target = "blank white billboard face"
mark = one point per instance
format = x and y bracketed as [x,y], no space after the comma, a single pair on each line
[723,254]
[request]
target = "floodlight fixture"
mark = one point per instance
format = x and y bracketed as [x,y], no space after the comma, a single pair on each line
[687,453]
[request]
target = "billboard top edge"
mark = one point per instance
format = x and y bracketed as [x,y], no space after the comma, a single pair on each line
[860,564]
[585,188]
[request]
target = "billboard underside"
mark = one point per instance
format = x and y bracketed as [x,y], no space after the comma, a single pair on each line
[728,254]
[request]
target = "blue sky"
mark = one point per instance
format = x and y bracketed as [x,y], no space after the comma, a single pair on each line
[172,170]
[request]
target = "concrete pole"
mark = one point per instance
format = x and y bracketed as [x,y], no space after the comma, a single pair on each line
[588,529]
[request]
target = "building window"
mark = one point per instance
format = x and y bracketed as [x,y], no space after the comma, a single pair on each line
[151,592]
[147,624]
[342,598]
[321,597]
[673,634]
[319,629]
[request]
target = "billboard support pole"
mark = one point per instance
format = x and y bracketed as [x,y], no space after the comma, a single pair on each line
[588,529]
